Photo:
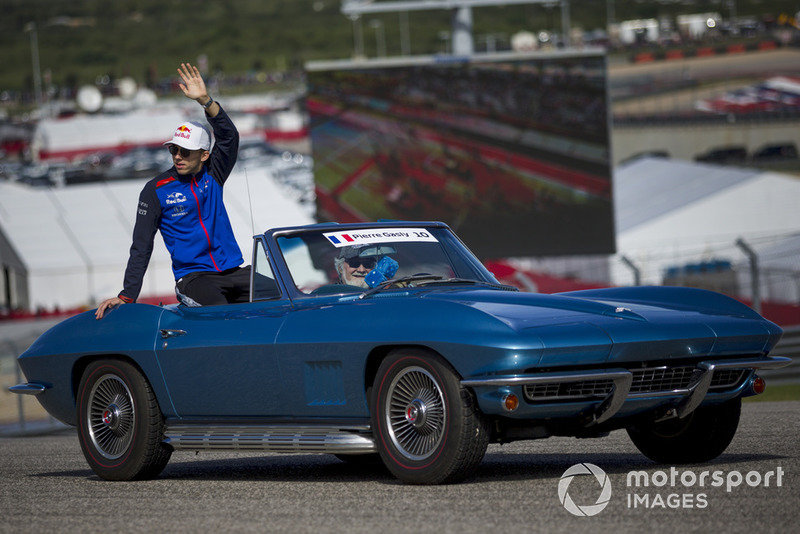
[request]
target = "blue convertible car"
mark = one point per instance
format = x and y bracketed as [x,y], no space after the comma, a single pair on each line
[392,340]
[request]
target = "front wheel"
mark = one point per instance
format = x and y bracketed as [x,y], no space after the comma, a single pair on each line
[701,436]
[428,428]
[119,422]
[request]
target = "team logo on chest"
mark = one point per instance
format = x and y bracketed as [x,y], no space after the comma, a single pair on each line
[176,198]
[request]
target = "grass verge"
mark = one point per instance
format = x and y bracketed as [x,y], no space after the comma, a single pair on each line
[781,392]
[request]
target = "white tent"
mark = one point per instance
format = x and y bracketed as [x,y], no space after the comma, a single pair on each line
[672,212]
[64,139]
[76,136]
[74,241]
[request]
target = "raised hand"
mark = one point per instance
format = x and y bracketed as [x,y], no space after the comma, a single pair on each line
[193,85]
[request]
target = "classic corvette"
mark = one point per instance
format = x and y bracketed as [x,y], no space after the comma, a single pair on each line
[391,340]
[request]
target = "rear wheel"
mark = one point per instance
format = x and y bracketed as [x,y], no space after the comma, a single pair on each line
[120,425]
[701,436]
[428,428]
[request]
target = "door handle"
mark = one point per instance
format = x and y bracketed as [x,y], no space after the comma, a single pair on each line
[165,333]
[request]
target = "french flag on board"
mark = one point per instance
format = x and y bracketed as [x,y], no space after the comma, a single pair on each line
[338,239]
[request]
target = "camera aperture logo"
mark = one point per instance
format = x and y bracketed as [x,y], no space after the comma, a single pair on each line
[581,470]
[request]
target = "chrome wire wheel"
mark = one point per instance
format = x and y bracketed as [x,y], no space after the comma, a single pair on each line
[415,416]
[111,416]
[428,428]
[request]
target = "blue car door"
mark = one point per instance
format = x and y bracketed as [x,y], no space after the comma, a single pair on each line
[322,350]
[219,361]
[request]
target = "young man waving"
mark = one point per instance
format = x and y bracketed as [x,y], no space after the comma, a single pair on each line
[185,205]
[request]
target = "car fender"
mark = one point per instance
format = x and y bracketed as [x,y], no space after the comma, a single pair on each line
[128,331]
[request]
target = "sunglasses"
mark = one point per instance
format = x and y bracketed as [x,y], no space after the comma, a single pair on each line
[185,152]
[368,263]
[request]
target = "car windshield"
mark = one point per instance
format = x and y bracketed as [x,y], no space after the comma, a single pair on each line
[355,260]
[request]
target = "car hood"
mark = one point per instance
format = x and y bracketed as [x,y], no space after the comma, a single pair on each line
[609,324]
[528,310]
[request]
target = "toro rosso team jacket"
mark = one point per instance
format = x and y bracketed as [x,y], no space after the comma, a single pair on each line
[189,212]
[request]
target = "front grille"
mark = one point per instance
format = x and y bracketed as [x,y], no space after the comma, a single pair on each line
[728,378]
[648,380]
[568,390]
[661,379]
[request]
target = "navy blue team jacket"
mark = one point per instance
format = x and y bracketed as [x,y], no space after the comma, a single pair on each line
[189,212]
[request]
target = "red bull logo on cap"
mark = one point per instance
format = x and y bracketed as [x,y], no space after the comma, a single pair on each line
[192,136]
[183,131]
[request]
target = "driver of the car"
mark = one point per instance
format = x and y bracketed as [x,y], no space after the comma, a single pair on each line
[354,263]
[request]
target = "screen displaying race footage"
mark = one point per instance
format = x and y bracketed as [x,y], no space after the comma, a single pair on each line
[511,151]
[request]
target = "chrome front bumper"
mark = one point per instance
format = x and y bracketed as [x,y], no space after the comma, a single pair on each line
[621,380]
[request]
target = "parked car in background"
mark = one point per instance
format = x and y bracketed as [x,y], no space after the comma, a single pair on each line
[726,155]
[775,152]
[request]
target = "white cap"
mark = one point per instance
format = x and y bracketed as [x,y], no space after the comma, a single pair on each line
[192,136]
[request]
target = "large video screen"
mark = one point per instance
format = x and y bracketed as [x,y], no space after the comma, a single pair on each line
[511,151]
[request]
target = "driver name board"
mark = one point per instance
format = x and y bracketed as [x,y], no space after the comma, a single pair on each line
[379,235]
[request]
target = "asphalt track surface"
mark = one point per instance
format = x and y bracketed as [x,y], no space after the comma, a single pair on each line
[46,486]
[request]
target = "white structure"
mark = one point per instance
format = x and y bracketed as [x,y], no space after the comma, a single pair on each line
[696,25]
[68,247]
[67,139]
[672,212]
[633,31]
